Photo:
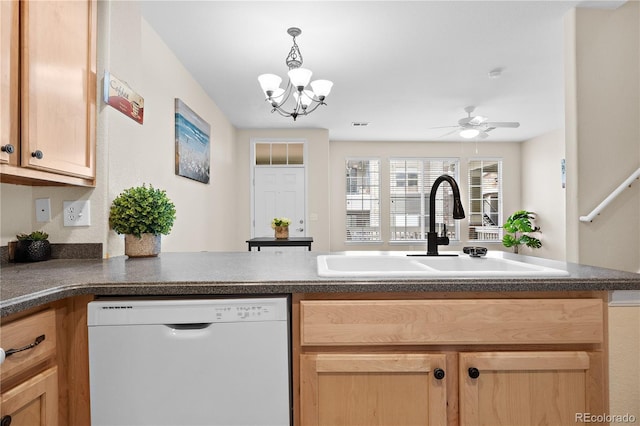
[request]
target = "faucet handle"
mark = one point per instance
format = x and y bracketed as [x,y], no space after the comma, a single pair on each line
[475,251]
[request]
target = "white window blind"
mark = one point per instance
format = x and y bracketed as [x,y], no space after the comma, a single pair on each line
[485,200]
[410,185]
[363,200]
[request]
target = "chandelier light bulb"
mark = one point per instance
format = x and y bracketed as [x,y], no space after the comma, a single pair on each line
[305,98]
[269,83]
[299,77]
[278,96]
[321,88]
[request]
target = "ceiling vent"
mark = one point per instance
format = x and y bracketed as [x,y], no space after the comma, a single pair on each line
[360,123]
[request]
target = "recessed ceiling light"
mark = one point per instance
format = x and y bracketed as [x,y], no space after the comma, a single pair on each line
[360,123]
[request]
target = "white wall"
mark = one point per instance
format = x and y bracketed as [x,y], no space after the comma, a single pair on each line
[542,191]
[129,154]
[340,150]
[603,149]
[607,87]
[140,154]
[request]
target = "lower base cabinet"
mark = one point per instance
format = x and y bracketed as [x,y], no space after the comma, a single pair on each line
[529,388]
[373,389]
[494,361]
[33,402]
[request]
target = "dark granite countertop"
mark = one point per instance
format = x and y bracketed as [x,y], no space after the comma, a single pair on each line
[215,273]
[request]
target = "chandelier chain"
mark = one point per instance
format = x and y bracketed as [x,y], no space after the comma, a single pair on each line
[292,60]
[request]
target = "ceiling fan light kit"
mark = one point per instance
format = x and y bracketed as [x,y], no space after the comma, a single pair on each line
[305,101]
[478,126]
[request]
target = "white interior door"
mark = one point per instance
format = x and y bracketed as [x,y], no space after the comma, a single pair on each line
[279,192]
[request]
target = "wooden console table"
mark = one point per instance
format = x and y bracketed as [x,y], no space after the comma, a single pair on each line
[283,242]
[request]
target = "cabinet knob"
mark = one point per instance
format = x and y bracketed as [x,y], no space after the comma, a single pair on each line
[5,421]
[8,148]
[438,373]
[37,154]
[474,373]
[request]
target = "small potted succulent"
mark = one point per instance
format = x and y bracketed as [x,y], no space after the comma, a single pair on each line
[33,247]
[519,229]
[142,214]
[281,226]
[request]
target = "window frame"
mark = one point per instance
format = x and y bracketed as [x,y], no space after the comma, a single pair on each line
[472,201]
[364,201]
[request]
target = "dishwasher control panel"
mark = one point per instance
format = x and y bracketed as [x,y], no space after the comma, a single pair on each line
[183,311]
[244,311]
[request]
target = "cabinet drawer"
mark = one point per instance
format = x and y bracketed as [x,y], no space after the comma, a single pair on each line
[469,322]
[23,332]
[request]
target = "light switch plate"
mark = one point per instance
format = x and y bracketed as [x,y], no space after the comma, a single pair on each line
[77,213]
[43,210]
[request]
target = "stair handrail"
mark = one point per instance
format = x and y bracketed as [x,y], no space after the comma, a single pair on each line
[627,183]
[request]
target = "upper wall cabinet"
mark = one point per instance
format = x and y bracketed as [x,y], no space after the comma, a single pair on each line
[48,118]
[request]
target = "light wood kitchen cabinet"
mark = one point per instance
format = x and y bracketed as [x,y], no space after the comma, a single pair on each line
[529,388]
[33,402]
[50,49]
[29,377]
[48,383]
[502,359]
[373,389]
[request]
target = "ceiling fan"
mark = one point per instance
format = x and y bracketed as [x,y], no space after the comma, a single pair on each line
[470,126]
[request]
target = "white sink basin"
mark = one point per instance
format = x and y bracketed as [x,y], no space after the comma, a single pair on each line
[429,266]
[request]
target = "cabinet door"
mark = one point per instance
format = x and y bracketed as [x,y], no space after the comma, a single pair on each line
[530,388]
[58,86]
[33,402]
[9,82]
[372,389]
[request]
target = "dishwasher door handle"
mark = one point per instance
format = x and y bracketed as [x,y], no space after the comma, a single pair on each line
[189,326]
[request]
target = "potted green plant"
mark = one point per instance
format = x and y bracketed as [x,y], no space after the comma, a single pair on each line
[518,229]
[33,247]
[142,214]
[281,226]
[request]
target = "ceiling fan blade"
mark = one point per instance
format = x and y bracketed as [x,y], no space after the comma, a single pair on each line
[447,134]
[478,119]
[511,124]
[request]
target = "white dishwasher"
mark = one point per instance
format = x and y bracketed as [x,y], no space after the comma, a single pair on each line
[183,362]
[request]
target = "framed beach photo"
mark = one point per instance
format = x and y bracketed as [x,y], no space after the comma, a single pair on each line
[192,144]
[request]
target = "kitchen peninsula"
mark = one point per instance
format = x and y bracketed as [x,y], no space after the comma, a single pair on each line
[452,333]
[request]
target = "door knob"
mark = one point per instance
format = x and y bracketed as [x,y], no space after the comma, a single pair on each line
[5,421]
[37,154]
[299,229]
[438,373]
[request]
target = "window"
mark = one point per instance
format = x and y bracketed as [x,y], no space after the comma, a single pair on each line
[363,200]
[279,153]
[485,200]
[410,186]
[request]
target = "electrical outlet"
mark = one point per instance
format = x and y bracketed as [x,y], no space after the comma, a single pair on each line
[77,213]
[43,210]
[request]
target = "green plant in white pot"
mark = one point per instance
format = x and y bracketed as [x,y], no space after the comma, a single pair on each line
[142,214]
[519,229]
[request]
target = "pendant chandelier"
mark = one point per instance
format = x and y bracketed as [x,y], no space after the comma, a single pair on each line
[304,101]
